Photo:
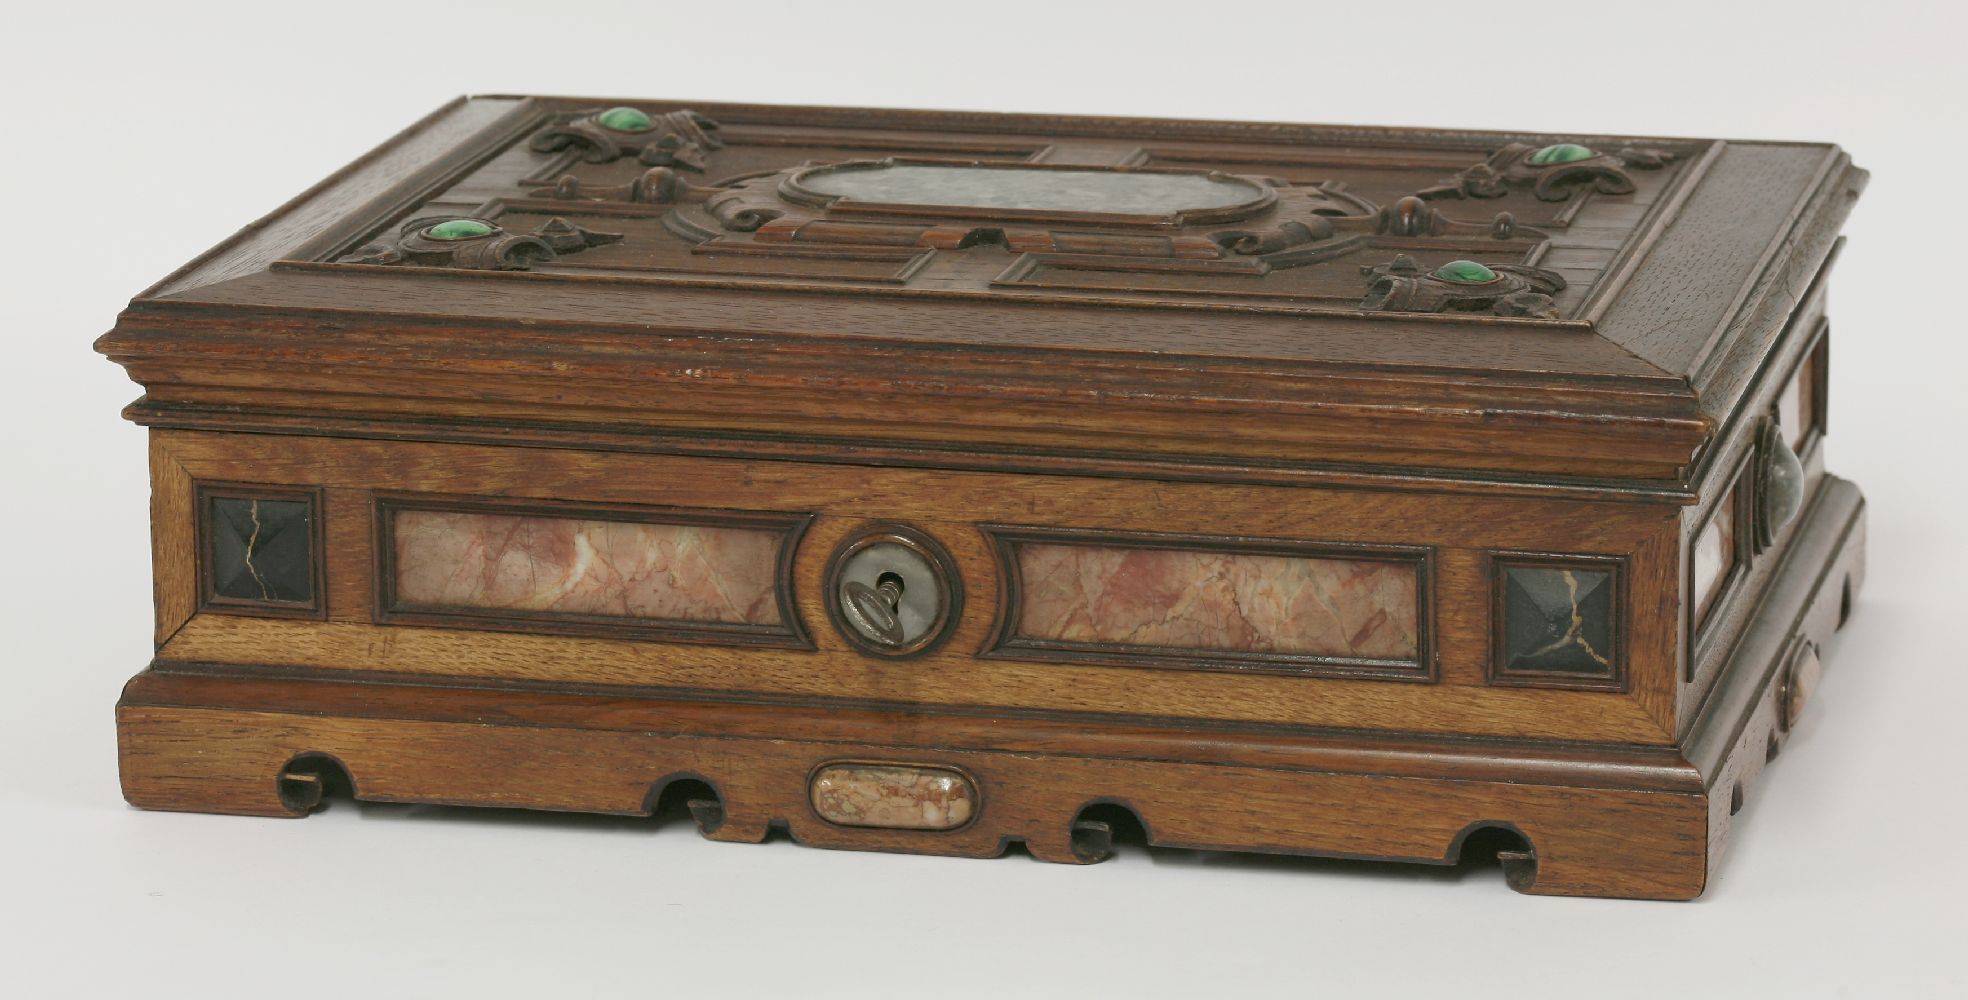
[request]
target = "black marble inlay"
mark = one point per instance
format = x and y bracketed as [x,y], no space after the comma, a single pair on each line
[1558,620]
[262,550]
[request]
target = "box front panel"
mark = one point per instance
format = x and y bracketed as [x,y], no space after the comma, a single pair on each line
[1392,610]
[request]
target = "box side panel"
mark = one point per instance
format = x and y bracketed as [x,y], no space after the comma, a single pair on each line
[1781,413]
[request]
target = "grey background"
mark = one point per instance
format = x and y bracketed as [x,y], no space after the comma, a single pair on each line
[142,134]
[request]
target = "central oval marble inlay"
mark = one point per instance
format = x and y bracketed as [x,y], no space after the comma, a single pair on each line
[893,796]
[1055,189]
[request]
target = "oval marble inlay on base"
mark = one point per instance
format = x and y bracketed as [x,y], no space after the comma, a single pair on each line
[893,796]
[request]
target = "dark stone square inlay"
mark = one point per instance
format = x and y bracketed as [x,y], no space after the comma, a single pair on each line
[262,549]
[1558,620]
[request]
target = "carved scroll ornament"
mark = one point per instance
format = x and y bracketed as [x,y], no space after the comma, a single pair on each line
[1551,173]
[1105,218]
[478,245]
[741,205]
[672,139]
[1461,286]
[1318,229]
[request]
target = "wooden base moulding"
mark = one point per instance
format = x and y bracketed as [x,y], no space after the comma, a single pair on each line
[1586,820]
[935,481]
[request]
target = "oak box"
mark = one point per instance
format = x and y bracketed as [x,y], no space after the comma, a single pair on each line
[935,481]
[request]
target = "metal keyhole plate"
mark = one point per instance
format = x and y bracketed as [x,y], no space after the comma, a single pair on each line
[892,591]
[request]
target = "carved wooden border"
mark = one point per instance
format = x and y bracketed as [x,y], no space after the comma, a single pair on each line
[1006,643]
[906,260]
[1039,127]
[1026,273]
[887,142]
[1162,146]
[1822,409]
[790,633]
[209,598]
[1616,680]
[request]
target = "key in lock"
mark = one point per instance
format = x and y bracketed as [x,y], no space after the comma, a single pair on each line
[893,592]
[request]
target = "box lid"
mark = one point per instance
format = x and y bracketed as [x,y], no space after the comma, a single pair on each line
[1134,296]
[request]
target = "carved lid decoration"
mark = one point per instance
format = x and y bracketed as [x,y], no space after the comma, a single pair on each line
[478,245]
[956,287]
[1464,286]
[1051,221]
[1554,172]
[677,138]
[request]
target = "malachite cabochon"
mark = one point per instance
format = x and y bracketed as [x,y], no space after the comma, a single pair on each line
[459,229]
[1561,152]
[1466,272]
[625,120]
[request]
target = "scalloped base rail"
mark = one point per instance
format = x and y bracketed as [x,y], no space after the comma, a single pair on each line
[1576,820]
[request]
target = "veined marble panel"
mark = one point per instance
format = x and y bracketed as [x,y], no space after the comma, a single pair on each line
[585,566]
[893,796]
[1715,554]
[1219,600]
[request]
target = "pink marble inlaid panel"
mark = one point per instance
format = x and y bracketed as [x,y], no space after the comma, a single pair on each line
[1715,554]
[1190,599]
[631,569]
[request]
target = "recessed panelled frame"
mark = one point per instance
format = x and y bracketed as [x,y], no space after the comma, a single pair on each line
[1451,536]
[686,532]
[1735,509]
[259,549]
[1269,565]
